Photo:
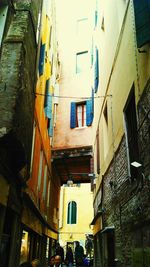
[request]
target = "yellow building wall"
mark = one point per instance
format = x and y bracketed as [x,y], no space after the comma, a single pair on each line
[48,205]
[83,196]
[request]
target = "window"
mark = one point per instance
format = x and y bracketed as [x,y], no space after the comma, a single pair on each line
[82,26]
[142,21]
[72,213]
[82,62]
[131,133]
[105,130]
[50,126]
[3,15]
[82,113]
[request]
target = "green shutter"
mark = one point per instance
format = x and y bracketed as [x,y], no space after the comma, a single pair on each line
[68,214]
[142,21]
[74,213]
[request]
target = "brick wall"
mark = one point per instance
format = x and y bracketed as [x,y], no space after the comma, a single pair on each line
[127,202]
[17,74]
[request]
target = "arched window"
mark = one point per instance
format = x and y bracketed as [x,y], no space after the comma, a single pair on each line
[72,213]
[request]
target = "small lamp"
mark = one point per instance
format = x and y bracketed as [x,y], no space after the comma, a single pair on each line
[70,181]
[136,164]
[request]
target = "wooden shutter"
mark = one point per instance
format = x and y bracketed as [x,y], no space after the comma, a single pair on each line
[42,59]
[96,70]
[142,21]
[73,115]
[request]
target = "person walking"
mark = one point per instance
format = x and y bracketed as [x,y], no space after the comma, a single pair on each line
[69,257]
[36,263]
[52,261]
[58,261]
[60,251]
[79,254]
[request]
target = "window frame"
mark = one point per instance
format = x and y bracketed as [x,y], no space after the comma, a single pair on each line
[78,71]
[83,106]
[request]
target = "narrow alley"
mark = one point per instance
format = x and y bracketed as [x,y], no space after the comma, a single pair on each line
[75,133]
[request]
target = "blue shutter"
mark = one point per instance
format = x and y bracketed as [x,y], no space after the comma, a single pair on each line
[41,59]
[96,70]
[89,114]
[92,104]
[92,54]
[96,17]
[50,129]
[48,107]
[142,21]
[73,115]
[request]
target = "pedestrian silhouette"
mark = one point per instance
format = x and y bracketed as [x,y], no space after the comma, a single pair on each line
[69,257]
[79,254]
[60,251]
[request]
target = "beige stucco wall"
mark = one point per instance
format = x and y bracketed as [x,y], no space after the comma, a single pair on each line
[75,86]
[121,64]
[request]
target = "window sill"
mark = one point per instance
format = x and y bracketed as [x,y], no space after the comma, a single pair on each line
[81,128]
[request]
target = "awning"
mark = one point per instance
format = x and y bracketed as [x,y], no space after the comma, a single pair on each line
[50,233]
[97,223]
[108,229]
[99,213]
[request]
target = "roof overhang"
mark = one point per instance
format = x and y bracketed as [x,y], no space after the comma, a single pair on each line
[73,162]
